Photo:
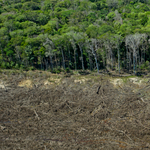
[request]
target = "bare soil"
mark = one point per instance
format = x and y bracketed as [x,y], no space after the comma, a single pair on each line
[40,111]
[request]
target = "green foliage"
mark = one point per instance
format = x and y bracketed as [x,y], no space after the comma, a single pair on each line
[17,66]
[67,70]
[45,34]
[111,16]
[106,28]
[21,18]
[31,68]
[92,31]
[56,70]
[145,65]
[5,65]
[31,6]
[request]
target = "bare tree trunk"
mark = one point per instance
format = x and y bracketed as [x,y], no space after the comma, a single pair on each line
[139,58]
[56,65]
[75,62]
[136,62]
[69,58]
[51,62]
[63,58]
[95,57]
[41,61]
[45,63]
[144,56]
[81,56]
[130,61]
[107,57]
[90,61]
[127,59]
[74,48]
[119,60]
[111,59]
[133,41]
[134,57]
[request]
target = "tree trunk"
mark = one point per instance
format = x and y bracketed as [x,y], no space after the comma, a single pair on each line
[139,58]
[95,57]
[111,59]
[74,48]
[51,62]
[144,55]
[75,62]
[45,64]
[96,64]
[2,54]
[55,64]
[69,58]
[118,60]
[81,56]
[134,62]
[63,58]
[130,61]
[127,55]
[90,62]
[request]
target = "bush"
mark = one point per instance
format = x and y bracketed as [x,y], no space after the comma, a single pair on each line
[31,68]
[145,65]
[22,67]
[12,64]
[56,70]
[17,66]
[5,65]
[67,70]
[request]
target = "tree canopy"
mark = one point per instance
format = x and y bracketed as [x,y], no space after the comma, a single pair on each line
[74,34]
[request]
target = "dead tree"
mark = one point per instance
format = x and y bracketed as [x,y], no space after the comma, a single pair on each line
[133,42]
[98,89]
[93,47]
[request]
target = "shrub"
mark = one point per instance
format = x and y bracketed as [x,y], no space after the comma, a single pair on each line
[56,70]
[67,70]
[31,68]
[3,65]
[17,66]
[145,65]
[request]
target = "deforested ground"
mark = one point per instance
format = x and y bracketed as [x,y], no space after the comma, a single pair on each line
[43,111]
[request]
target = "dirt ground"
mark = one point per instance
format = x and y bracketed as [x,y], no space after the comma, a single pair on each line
[41,111]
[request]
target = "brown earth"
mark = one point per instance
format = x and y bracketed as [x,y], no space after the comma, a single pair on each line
[51,112]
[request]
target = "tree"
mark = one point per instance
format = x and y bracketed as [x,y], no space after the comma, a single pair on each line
[49,47]
[55,32]
[112,3]
[118,39]
[80,40]
[4,38]
[93,47]
[59,44]
[67,45]
[92,31]
[73,44]
[109,44]
[144,47]
[133,42]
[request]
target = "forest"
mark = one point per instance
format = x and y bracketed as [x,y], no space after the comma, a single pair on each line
[60,35]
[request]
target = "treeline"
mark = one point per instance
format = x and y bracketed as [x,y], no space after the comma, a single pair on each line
[75,34]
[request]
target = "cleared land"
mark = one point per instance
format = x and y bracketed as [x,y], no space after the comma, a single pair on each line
[50,112]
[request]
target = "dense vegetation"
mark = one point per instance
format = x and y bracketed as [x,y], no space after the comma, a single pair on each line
[75,34]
